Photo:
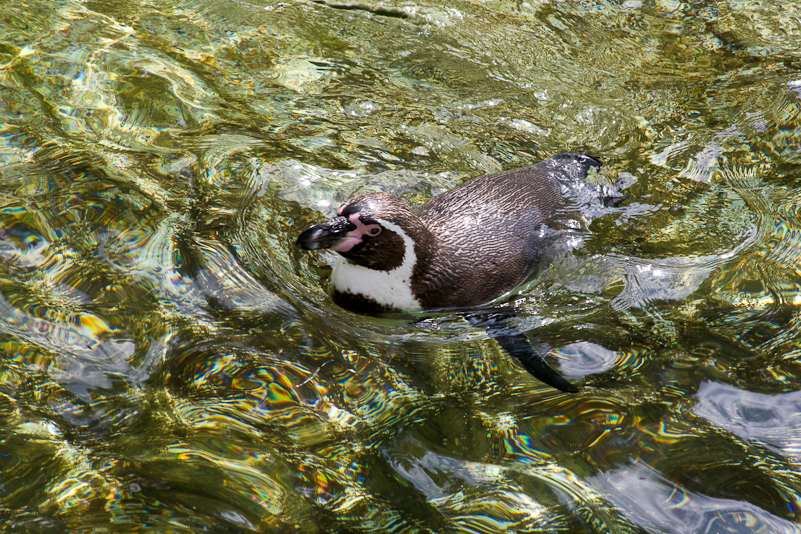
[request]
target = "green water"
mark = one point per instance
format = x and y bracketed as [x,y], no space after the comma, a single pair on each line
[171,363]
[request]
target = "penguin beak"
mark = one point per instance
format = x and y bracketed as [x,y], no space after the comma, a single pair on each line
[326,235]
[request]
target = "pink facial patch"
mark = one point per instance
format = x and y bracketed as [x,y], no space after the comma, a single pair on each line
[355,236]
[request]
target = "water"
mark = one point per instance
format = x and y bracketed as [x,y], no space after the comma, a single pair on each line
[172,363]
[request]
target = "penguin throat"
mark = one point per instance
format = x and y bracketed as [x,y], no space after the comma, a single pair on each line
[385,288]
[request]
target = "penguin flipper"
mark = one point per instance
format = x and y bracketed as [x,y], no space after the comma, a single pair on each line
[517,345]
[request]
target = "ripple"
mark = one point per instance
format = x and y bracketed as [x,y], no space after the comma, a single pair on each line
[86,358]
[653,503]
[501,505]
[785,235]
[767,274]
[770,419]
[675,278]
[21,243]
[583,358]
[171,361]
[325,190]
[223,279]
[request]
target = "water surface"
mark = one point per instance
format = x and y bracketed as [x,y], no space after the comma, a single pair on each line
[172,363]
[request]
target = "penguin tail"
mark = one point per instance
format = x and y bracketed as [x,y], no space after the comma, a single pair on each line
[577,165]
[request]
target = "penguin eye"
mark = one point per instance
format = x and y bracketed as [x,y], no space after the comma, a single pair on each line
[374,231]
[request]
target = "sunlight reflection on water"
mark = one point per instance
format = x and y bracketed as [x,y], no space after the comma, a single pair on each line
[171,361]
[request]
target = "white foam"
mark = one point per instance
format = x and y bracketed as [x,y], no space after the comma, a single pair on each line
[388,288]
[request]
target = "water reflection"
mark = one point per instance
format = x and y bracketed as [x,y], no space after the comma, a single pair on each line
[171,362]
[755,417]
[657,505]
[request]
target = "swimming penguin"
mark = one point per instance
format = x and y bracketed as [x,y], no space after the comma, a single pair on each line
[463,248]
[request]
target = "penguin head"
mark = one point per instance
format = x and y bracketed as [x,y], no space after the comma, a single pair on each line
[373,230]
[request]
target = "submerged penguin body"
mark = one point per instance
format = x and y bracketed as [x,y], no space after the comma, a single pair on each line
[461,249]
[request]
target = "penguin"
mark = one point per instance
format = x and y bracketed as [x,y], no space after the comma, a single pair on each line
[464,248]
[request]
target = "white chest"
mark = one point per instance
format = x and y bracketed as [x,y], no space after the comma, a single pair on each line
[388,288]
